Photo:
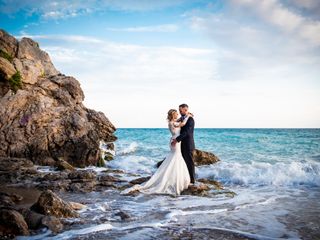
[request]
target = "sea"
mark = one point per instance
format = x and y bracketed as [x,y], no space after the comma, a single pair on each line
[274,173]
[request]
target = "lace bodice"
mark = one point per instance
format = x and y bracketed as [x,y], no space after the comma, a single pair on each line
[174,127]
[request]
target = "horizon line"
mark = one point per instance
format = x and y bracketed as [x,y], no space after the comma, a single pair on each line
[318,128]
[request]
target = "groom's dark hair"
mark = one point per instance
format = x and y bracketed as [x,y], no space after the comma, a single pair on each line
[183,105]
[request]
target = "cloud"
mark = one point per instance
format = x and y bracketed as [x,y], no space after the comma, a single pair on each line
[47,9]
[156,28]
[128,81]
[67,38]
[246,67]
[62,9]
[311,8]
[147,79]
[252,43]
[281,16]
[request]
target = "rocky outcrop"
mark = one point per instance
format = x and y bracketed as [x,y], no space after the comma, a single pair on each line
[18,219]
[198,190]
[36,220]
[16,170]
[22,172]
[42,114]
[50,204]
[204,158]
[123,215]
[200,158]
[12,223]
[139,180]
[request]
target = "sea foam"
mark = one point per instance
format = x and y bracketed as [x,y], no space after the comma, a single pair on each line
[260,173]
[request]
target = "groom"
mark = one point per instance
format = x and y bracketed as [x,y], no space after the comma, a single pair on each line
[187,141]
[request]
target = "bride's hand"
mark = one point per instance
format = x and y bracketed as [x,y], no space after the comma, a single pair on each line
[190,114]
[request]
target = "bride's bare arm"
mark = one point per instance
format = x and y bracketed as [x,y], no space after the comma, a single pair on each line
[181,124]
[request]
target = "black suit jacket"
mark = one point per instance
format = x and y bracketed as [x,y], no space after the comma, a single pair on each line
[186,135]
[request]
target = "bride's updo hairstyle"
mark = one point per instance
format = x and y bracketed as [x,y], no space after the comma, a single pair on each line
[170,114]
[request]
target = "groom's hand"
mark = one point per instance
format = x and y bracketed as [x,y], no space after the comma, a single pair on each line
[173,143]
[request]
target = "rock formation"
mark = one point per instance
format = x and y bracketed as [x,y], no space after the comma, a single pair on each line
[50,204]
[42,115]
[200,158]
[204,158]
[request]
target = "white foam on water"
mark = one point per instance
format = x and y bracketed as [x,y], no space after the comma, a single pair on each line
[99,207]
[93,168]
[129,149]
[144,233]
[44,235]
[104,148]
[173,214]
[75,232]
[70,233]
[260,173]
[133,164]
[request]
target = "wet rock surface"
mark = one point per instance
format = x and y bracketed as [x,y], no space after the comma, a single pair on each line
[12,223]
[50,204]
[200,158]
[47,209]
[204,158]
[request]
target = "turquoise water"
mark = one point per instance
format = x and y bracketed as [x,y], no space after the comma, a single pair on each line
[248,156]
[274,173]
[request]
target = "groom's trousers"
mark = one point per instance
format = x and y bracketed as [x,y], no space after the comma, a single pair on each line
[188,158]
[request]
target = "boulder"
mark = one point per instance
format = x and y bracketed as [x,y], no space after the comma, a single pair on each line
[53,223]
[50,204]
[63,165]
[109,178]
[57,186]
[207,188]
[12,223]
[204,158]
[140,180]
[82,186]
[44,118]
[217,185]
[200,158]
[82,176]
[123,215]
[196,189]
[133,193]
[37,220]
[108,156]
[14,170]
[32,218]
[9,200]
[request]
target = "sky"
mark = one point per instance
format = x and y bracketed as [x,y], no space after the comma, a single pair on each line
[236,63]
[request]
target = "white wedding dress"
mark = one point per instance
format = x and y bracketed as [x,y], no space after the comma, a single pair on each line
[172,176]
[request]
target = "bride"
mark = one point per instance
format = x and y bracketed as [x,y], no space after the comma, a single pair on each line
[172,176]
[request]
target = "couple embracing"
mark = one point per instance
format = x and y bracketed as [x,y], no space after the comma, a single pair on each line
[177,171]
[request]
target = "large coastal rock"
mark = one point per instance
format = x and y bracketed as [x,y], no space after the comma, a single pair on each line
[204,158]
[200,158]
[42,114]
